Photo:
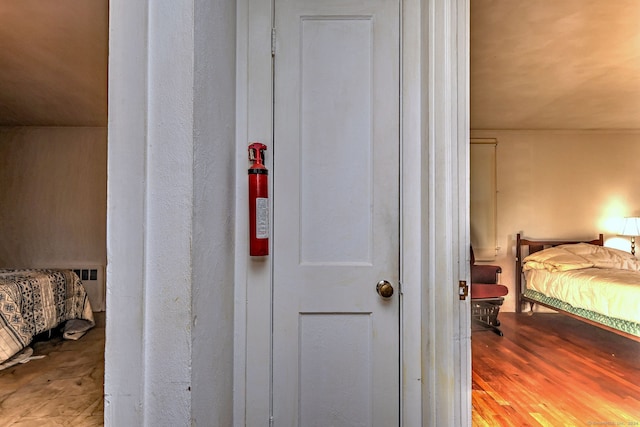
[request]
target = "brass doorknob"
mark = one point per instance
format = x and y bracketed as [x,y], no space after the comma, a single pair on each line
[384,289]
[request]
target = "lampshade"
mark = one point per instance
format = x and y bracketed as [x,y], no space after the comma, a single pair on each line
[630,227]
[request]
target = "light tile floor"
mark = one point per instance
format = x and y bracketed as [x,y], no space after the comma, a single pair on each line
[65,388]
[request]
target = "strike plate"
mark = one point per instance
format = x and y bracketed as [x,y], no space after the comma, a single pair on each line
[463,290]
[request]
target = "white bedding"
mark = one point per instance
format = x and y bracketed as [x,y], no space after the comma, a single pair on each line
[596,278]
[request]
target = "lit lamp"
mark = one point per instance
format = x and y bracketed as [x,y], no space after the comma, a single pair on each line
[631,228]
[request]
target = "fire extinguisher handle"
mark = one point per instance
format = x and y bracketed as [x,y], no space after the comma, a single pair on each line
[256,152]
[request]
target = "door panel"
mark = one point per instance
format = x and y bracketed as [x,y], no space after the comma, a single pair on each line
[345,393]
[336,213]
[336,136]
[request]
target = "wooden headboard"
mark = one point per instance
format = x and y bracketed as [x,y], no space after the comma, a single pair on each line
[532,246]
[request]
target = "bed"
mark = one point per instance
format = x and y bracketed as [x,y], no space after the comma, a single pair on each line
[582,279]
[33,302]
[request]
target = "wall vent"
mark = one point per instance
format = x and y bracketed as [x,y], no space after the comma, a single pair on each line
[87,274]
[93,279]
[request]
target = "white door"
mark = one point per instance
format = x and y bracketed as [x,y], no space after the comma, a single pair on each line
[336,213]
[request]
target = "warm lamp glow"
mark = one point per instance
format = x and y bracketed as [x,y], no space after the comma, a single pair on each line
[631,228]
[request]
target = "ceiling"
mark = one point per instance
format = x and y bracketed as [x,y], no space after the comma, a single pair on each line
[535,64]
[555,64]
[53,62]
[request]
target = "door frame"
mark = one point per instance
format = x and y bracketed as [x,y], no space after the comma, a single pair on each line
[435,236]
[434,256]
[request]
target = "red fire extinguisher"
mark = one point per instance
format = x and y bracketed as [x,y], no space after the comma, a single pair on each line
[258,202]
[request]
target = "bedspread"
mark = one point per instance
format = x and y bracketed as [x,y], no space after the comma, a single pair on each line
[35,301]
[595,278]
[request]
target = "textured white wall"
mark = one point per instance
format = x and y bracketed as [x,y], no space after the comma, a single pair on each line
[169,349]
[53,193]
[213,213]
[169,214]
[562,184]
[126,213]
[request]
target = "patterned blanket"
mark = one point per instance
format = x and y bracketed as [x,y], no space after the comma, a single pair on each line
[35,301]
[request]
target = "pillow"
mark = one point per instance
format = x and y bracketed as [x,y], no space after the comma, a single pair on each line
[604,257]
[555,259]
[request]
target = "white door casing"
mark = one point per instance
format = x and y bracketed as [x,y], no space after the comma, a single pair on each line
[336,213]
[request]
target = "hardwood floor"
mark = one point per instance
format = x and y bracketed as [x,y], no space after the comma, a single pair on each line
[65,388]
[547,370]
[551,370]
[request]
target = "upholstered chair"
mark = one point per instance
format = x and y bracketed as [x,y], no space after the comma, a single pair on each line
[487,295]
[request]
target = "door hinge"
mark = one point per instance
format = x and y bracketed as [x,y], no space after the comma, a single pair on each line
[463,289]
[273,42]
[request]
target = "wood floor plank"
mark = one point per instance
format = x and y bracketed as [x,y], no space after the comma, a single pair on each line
[64,388]
[549,369]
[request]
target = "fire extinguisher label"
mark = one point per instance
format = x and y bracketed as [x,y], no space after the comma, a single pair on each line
[262,218]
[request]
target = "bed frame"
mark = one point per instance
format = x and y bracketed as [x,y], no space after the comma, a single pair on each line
[532,246]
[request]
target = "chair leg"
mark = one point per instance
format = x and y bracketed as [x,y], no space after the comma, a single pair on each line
[484,312]
[487,326]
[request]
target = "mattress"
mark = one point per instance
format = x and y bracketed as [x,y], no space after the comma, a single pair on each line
[594,278]
[613,293]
